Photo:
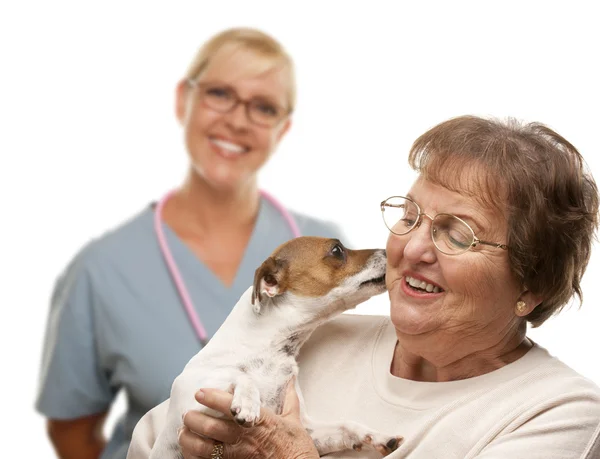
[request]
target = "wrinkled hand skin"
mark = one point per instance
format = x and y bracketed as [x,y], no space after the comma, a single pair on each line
[272,436]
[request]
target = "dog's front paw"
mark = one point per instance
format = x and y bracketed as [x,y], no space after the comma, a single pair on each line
[333,437]
[244,417]
[245,409]
[383,444]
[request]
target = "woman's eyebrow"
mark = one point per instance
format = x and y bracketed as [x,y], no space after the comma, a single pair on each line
[267,97]
[469,218]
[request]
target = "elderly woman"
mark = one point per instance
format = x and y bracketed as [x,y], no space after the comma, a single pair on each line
[496,232]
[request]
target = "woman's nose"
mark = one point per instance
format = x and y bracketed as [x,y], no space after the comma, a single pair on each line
[418,246]
[238,117]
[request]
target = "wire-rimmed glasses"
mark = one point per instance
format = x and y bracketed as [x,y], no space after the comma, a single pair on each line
[450,234]
[223,99]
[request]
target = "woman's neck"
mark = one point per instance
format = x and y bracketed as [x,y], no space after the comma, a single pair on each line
[421,363]
[203,209]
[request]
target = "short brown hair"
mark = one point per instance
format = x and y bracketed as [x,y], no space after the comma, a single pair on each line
[551,197]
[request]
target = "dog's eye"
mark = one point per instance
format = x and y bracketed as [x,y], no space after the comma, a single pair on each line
[338,252]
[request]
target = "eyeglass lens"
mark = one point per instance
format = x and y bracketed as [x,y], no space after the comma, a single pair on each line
[260,111]
[450,234]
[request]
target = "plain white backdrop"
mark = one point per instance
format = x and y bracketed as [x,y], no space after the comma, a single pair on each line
[88,135]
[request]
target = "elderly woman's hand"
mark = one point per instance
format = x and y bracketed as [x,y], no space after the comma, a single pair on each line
[273,436]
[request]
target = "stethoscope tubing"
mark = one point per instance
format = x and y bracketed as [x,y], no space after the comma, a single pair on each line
[182,290]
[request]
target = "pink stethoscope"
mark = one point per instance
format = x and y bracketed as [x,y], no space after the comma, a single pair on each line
[172,266]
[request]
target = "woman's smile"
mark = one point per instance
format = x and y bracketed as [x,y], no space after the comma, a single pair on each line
[415,288]
[226,148]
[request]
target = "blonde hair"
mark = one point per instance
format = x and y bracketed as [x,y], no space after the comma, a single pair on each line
[270,52]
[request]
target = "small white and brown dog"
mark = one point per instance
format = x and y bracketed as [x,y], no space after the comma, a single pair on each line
[304,283]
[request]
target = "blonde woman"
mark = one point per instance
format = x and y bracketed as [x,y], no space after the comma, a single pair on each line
[135,304]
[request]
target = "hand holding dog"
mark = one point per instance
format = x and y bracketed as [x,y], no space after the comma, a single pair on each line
[303,284]
[273,436]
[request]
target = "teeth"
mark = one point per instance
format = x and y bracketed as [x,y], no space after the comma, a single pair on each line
[230,147]
[422,285]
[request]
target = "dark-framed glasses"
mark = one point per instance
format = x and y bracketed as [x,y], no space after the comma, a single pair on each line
[450,234]
[223,99]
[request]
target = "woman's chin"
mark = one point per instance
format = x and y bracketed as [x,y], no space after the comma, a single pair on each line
[412,319]
[223,178]
[413,316]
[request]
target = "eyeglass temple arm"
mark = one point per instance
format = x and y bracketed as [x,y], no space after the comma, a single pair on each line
[493,244]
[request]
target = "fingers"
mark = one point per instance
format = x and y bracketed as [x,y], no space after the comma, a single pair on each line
[271,432]
[216,399]
[222,430]
[193,446]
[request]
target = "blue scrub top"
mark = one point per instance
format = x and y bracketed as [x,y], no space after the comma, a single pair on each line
[116,320]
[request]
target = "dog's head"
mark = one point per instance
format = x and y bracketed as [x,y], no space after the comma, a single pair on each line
[320,268]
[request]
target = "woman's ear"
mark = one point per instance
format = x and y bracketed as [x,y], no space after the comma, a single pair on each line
[284,129]
[527,303]
[181,100]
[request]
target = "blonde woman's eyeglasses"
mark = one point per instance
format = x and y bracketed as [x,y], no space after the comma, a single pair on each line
[223,99]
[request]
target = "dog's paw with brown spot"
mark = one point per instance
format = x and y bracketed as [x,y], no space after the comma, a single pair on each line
[245,406]
[388,447]
[243,418]
[382,445]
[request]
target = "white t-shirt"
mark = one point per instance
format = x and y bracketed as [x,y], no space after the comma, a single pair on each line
[534,408]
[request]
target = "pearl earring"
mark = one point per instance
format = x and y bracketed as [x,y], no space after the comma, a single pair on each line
[521,307]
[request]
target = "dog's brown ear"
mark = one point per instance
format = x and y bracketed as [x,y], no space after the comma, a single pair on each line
[270,280]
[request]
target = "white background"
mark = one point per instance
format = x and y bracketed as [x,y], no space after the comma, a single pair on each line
[88,136]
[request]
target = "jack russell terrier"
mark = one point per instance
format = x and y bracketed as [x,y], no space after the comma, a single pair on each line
[305,282]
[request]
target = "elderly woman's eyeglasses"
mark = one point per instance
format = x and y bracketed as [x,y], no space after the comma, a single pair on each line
[450,234]
[224,99]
